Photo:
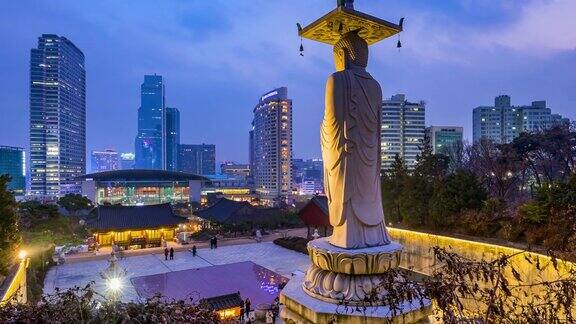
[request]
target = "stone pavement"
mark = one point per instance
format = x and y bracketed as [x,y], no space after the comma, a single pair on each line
[267,254]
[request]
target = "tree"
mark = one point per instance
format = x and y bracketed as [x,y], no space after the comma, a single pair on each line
[9,234]
[392,184]
[460,191]
[74,203]
[31,212]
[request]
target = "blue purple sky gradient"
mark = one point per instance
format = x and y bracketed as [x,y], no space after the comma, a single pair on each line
[218,57]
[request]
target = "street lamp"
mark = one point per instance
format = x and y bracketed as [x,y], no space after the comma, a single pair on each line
[22,255]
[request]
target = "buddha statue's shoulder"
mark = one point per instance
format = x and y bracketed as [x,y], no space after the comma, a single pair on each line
[339,77]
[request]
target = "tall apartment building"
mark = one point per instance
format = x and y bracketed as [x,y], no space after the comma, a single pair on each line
[197,158]
[503,122]
[403,130]
[442,138]
[172,138]
[150,143]
[271,145]
[106,160]
[57,116]
[13,163]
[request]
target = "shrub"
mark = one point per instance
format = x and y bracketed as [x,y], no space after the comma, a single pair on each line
[294,243]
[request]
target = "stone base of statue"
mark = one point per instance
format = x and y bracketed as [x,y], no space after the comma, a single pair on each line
[337,283]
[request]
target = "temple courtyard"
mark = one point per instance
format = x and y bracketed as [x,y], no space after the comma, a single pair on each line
[175,277]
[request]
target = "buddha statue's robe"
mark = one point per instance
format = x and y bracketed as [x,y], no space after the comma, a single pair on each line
[350,136]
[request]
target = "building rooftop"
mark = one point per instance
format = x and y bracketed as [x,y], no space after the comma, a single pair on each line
[230,211]
[116,218]
[141,175]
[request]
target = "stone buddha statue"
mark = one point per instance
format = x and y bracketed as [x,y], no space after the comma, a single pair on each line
[350,139]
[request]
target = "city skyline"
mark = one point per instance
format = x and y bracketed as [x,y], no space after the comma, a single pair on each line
[432,65]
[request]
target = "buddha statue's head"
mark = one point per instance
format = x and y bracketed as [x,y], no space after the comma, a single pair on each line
[351,51]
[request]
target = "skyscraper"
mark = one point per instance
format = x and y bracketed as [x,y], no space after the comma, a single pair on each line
[272,146]
[197,158]
[104,161]
[172,138]
[127,161]
[13,163]
[403,129]
[442,138]
[150,143]
[503,122]
[57,116]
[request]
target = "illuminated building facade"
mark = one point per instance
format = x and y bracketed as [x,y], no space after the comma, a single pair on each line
[172,138]
[443,138]
[197,158]
[104,161]
[272,146]
[126,161]
[150,143]
[503,122]
[235,170]
[57,116]
[13,163]
[403,130]
[142,187]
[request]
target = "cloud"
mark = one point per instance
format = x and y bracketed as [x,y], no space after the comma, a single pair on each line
[543,27]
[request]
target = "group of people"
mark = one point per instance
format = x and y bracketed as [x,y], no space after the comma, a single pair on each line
[213,242]
[168,253]
[247,316]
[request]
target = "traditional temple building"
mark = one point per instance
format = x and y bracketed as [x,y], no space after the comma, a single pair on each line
[135,226]
[315,214]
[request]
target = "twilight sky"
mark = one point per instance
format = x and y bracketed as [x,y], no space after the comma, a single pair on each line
[219,56]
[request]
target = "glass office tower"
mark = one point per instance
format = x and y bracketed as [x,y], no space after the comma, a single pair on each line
[172,138]
[13,163]
[197,158]
[57,117]
[150,143]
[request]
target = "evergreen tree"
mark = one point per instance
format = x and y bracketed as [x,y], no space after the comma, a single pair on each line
[9,235]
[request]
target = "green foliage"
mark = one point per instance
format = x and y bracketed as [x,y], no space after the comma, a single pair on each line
[9,232]
[56,230]
[74,203]
[459,192]
[33,211]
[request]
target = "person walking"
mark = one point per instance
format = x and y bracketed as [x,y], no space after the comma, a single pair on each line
[215,242]
[247,307]
[211,242]
[166,253]
[171,253]
[193,250]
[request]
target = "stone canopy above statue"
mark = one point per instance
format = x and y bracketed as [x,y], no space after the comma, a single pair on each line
[330,28]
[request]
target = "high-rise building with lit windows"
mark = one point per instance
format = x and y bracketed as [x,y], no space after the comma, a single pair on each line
[197,158]
[271,146]
[172,138]
[57,116]
[503,122]
[106,160]
[150,143]
[403,130]
[442,139]
[13,163]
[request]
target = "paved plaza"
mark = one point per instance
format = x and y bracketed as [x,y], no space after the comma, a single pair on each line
[268,255]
